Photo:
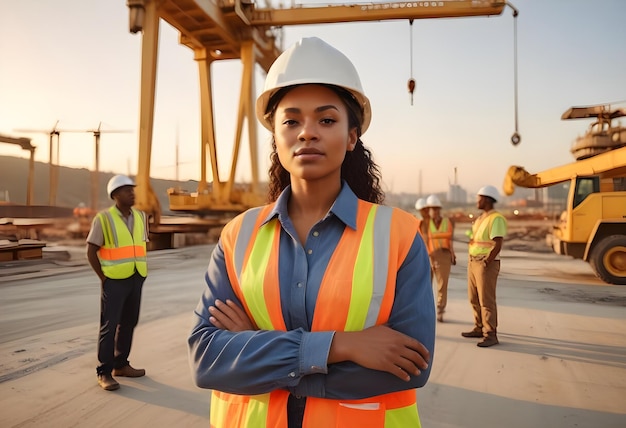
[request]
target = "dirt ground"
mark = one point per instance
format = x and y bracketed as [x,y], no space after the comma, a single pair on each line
[561,362]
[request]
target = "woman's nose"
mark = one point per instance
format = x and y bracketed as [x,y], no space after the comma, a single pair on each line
[308,130]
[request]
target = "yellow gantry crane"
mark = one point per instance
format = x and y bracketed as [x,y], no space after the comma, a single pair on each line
[25,143]
[240,29]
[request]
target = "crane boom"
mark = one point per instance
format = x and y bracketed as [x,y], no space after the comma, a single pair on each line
[609,164]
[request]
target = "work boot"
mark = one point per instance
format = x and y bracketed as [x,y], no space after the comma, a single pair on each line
[106,382]
[488,341]
[473,333]
[128,371]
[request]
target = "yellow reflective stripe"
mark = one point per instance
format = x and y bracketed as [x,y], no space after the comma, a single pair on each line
[362,277]
[380,257]
[252,277]
[243,239]
[258,409]
[106,222]
[403,417]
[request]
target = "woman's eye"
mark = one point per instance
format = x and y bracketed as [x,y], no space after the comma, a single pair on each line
[289,122]
[328,121]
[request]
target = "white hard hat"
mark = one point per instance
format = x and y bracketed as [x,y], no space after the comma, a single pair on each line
[420,204]
[489,191]
[433,202]
[312,60]
[118,181]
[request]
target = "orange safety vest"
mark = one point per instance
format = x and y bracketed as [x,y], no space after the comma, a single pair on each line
[122,252]
[439,238]
[367,280]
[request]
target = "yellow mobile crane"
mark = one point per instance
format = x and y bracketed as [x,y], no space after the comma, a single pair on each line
[593,226]
[239,29]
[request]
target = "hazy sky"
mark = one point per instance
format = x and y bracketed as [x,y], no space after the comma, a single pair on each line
[75,61]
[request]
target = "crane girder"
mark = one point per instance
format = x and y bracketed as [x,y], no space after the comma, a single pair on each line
[374,12]
[245,30]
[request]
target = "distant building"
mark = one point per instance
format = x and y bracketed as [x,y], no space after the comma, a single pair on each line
[456,194]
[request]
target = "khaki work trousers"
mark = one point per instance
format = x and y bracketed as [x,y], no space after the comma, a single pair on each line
[481,290]
[441,261]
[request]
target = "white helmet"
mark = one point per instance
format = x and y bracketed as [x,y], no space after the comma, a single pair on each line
[118,181]
[420,204]
[489,191]
[433,202]
[312,60]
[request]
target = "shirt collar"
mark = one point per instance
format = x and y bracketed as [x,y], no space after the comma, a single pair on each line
[344,207]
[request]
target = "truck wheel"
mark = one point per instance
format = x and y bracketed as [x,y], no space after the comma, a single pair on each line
[608,259]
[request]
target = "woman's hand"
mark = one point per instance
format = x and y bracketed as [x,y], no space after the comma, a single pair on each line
[229,316]
[380,348]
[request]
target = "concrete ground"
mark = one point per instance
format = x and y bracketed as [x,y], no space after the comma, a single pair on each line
[561,361]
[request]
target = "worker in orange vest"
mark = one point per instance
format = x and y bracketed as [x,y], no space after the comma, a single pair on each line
[439,240]
[318,310]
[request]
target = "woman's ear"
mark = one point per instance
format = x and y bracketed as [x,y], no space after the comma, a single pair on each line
[352,139]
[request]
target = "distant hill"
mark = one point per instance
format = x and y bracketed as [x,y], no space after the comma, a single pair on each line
[74,184]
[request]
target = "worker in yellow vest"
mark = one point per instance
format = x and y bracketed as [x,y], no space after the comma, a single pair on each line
[116,250]
[439,240]
[318,310]
[483,267]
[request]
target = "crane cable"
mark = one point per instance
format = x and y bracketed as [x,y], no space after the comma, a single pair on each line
[411,83]
[516,138]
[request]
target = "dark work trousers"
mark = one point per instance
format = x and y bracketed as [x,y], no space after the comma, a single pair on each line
[120,300]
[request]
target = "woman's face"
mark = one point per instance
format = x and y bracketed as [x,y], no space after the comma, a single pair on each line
[311,133]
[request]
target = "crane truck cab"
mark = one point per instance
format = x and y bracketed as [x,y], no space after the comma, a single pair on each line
[593,225]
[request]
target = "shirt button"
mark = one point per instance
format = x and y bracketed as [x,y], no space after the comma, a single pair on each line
[309,252]
[316,233]
[299,285]
[292,374]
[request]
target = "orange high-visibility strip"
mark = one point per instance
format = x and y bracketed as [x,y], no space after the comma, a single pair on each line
[332,306]
[129,252]
[228,241]
[322,412]
[237,240]
[277,413]
[403,231]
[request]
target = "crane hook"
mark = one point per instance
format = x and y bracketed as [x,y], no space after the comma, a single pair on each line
[411,86]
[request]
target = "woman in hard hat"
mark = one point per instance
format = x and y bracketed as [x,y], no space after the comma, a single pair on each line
[338,322]
[439,240]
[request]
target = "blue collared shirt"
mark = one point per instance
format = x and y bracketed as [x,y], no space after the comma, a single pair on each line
[255,362]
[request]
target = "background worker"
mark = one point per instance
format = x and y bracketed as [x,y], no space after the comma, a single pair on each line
[424,214]
[338,319]
[483,267]
[439,240]
[116,250]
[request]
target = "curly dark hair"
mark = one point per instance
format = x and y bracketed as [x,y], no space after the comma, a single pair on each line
[358,168]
